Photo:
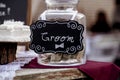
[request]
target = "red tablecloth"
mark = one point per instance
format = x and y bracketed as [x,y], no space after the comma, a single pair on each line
[96,70]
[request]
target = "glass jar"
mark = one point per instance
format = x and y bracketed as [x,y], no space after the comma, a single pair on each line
[63,10]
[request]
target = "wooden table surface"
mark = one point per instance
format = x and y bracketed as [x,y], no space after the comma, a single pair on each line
[49,74]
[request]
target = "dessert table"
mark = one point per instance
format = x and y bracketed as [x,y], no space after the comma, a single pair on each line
[49,74]
[30,68]
[92,70]
[95,70]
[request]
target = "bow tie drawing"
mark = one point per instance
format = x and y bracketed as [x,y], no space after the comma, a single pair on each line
[59,46]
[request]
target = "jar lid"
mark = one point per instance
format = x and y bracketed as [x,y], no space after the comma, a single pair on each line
[50,2]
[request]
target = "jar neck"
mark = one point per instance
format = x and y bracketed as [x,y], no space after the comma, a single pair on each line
[62,7]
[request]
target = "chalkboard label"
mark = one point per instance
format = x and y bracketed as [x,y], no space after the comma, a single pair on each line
[13,10]
[56,37]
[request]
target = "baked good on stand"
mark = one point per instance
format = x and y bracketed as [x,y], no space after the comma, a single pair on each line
[12,32]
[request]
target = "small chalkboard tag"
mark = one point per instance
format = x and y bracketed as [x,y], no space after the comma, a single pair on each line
[56,37]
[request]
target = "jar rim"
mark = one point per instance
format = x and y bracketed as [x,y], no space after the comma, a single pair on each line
[53,2]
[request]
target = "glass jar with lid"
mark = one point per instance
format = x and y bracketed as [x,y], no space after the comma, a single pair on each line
[64,11]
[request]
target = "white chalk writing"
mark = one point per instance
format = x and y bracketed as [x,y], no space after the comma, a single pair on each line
[2,13]
[45,37]
[5,10]
[2,5]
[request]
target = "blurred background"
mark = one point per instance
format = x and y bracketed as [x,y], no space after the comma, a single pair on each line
[103,27]
[90,9]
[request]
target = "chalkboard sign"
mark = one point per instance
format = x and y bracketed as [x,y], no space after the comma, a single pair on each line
[56,37]
[13,9]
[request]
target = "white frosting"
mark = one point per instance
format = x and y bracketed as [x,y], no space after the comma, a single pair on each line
[13,22]
[13,25]
[14,31]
